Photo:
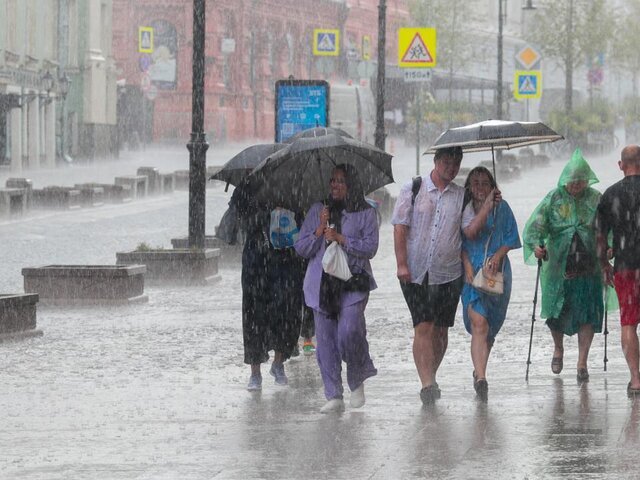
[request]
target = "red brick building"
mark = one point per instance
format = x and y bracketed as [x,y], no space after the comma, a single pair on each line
[249,45]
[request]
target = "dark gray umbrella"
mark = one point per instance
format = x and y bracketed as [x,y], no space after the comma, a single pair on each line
[495,135]
[298,175]
[318,132]
[241,165]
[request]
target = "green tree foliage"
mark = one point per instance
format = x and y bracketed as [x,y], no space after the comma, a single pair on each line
[572,32]
[625,52]
[594,119]
[451,18]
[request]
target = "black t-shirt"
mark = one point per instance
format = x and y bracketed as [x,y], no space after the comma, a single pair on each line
[619,212]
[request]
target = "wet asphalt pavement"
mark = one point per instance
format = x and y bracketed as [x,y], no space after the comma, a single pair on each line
[157,390]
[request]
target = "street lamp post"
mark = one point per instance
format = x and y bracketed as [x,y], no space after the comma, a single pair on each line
[379,134]
[197,145]
[500,55]
[527,7]
[64,82]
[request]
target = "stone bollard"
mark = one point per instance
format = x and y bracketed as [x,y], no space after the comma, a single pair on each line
[175,266]
[66,198]
[167,183]
[181,179]
[18,316]
[91,196]
[13,202]
[24,183]
[111,193]
[137,183]
[153,182]
[86,284]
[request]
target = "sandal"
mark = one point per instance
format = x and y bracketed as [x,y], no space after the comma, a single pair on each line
[632,392]
[583,375]
[482,389]
[556,365]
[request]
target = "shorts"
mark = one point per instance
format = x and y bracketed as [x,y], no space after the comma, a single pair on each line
[627,283]
[433,303]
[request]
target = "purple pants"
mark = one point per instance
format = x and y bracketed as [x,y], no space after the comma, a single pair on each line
[343,340]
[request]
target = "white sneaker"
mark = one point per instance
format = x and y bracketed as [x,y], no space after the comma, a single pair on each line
[357,397]
[335,405]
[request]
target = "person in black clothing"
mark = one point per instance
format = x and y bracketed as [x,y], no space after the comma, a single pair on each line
[270,316]
[619,213]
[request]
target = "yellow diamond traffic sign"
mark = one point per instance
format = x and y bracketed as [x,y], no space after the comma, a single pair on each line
[528,57]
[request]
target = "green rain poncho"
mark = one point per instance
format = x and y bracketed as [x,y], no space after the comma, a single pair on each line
[554,223]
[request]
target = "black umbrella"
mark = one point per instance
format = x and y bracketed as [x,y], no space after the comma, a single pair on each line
[495,135]
[318,132]
[241,165]
[298,175]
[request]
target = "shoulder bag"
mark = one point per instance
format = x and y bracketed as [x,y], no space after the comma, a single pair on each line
[484,281]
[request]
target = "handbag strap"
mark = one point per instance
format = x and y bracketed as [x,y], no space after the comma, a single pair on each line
[486,245]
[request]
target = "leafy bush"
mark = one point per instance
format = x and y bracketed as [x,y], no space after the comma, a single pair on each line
[595,118]
[437,116]
[145,247]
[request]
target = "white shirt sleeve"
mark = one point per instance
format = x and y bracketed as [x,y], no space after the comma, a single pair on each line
[403,209]
[467,215]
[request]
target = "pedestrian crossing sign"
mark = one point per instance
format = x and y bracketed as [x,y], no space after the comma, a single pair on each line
[528,84]
[326,42]
[145,39]
[416,47]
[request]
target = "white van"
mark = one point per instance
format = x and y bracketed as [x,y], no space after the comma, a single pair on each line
[353,109]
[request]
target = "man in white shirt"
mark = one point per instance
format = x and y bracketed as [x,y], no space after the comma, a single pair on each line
[427,242]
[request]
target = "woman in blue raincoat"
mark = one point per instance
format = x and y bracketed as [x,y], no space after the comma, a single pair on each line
[561,232]
[487,224]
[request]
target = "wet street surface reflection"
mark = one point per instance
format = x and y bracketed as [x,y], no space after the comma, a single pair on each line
[158,390]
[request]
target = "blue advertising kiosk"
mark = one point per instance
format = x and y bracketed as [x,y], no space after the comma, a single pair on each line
[300,104]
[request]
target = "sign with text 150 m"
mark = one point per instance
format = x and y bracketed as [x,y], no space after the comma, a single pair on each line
[417,74]
[300,104]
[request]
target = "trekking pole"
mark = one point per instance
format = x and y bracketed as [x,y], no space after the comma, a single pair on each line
[606,329]
[533,314]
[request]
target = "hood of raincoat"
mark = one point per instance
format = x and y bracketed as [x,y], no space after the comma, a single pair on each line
[577,170]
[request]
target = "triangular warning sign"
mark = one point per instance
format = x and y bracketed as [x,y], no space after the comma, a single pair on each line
[527,85]
[417,52]
[325,43]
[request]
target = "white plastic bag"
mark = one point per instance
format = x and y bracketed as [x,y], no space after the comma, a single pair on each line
[335,263]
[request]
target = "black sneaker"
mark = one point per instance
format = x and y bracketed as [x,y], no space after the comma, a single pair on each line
[482,389]
[429,394]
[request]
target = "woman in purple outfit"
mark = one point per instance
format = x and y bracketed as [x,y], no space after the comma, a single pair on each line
[338,306]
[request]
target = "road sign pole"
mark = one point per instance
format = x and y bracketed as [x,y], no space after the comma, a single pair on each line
[379,133]
[418,101]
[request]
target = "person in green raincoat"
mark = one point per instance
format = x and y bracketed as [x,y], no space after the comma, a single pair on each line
[561,232]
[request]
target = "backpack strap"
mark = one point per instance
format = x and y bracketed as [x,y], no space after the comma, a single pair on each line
[415,188]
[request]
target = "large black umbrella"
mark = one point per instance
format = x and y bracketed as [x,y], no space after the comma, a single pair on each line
[298,175]
[495,135]
[241,165]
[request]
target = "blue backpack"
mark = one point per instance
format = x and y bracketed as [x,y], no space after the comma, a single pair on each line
[283,229]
